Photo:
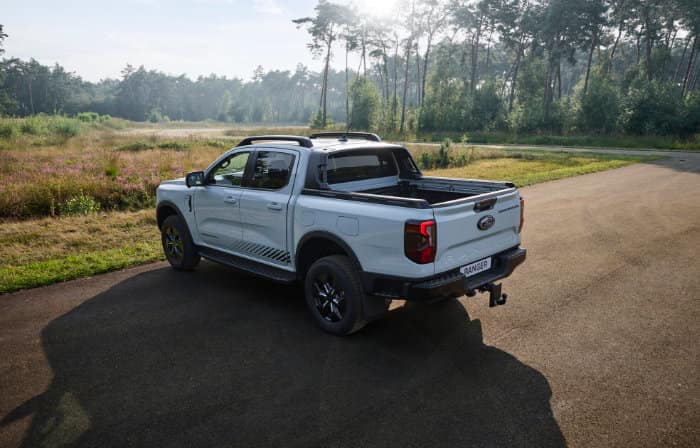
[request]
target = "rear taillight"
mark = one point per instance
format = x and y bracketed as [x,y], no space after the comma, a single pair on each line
[420,241]
[522,215]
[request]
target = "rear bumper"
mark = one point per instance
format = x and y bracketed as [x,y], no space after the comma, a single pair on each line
[448,284]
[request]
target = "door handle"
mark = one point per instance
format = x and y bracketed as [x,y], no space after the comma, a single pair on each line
[231,200]
[274,206]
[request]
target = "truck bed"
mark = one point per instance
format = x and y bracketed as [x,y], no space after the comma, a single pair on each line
[436,190]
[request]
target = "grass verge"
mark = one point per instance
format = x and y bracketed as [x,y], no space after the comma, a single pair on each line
[531,167]
[42,251]
[657,142]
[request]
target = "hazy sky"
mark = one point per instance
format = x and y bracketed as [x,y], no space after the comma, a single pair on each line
[96,39]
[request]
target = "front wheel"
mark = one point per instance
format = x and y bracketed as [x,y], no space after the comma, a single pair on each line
[334,295]
[178,245]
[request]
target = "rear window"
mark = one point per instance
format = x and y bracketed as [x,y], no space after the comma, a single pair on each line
[360,165]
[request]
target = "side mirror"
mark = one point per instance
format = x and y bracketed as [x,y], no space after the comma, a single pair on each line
[195,179]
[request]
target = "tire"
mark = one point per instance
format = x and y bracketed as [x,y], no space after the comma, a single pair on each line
[334,295]
[177,244]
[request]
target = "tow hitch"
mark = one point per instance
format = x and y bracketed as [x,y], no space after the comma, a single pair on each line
[496,297]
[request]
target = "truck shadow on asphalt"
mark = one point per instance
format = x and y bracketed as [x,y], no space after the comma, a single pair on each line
[217,358]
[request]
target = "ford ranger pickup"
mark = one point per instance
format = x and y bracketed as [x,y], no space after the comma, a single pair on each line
[349,217]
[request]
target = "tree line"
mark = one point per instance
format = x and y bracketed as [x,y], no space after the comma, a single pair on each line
[526,66]
[586,66]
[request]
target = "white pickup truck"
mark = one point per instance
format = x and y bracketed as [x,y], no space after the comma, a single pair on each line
[349,217]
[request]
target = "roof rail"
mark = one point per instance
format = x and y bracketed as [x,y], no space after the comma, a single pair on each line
[345,135]
[303,141]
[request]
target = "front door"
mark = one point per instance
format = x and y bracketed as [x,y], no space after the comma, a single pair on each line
[264,206]
[217,205]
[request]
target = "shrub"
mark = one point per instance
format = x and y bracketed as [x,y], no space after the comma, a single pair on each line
[36,125]
[135,146]
[8,129]
[89,117]
[179,146]
[64,127]
[217,143]
[316,121]
[598,108]
[112,167]
[80,204]
[156,116]
[650,108]
[443,154]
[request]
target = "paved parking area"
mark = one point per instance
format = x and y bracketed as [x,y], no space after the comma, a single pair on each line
[598,345]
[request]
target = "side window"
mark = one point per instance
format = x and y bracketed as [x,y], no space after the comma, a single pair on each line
[229,172]
[272,170]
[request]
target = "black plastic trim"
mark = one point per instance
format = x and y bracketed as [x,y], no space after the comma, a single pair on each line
[302,141]
[246,265]
[447,284]
[344,135]
[169,204]
[366,197]
[328,236]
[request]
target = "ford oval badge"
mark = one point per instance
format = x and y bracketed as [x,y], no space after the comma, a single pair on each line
[486,222]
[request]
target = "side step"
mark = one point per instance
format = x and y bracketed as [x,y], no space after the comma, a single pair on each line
[249,266]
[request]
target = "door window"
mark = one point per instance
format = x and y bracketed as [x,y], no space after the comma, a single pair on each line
[230,171]
[272,170]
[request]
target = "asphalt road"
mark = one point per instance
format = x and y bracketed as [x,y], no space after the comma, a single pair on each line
[598,345]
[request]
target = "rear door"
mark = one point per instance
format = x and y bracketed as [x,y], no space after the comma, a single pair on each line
[473,230]
[264,206]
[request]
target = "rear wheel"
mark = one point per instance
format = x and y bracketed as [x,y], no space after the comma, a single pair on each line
[334,295]
[177,244]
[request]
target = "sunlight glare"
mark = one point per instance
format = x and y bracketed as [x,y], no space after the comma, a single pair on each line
[377,8]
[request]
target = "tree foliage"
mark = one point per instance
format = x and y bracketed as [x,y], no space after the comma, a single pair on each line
[522,66]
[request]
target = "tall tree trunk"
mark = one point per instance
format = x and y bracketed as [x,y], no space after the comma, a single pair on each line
[405,86]
[680,63]
[594,41]
[518,57]
[31,96]
[639,50]
[549,80]
[364,53]
[324,90]
[347,91]
[488,54]
[425,65]
[418,78]
[614,47]
[649,44]
[475,54]
[690,65]
[695,79]
[385,58]
[559,80]
[394,103]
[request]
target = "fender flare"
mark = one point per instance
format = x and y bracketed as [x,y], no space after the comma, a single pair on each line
[329,236]
[169,204]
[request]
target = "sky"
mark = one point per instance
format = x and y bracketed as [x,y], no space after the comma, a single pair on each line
[96,39]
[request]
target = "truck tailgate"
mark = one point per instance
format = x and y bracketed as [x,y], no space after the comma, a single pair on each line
[460,241]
